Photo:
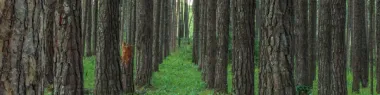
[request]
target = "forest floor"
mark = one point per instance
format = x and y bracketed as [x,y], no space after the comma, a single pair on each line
[177,75]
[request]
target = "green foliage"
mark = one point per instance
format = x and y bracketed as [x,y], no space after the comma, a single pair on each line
[303,89]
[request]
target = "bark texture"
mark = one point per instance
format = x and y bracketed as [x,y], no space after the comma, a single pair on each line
[211,43]
[276,63]
[359,46]
[156,36]
[88,27]
[325,57]
[339,81]
[301,33]
[144,29]
[312,42]
[222,26]
[68,77]
[108,69]
[243,47]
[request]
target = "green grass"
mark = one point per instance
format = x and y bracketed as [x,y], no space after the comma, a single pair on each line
[179,76]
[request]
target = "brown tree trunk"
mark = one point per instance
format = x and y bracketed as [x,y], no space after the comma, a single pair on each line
[196,31]
[180,21]
[156,32]
[48,42]
[325,57]
[339,81]
[68,77]
[108,69]
[211,43]
[312,31]
[222,26]
[243,66]
[144,29]
[301,45]
[129,83]
[20,25]
[378,45]
[371,40]
[204,38]
[359,50]
[276,73]
[186,20]
[96,29]
[88,27]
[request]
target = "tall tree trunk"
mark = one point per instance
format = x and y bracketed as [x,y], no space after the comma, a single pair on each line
[211,43]
[144,29]
[68,77]
[129,83]
[359,50]
[312,31]
[20,24]
[301,26]
[325,57]
[96,29]
[378,45]
[371,40]
[339,81]
[222,26]
[180,21]
[156,32]
[243,47]
[204,38]
[186,20]
[108,70]
[276,73]
[196,31]
[88,27]
[48,42]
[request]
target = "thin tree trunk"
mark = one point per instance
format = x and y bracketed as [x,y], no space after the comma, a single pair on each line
[156,32]
[88,27]
[96,29]
[312,31]
[378,45]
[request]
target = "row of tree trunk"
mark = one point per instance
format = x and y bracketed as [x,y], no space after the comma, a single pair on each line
[289,40]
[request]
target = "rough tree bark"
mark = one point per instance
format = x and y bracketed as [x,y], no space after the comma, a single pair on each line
[20,23]
[243,47]
[144,29]
[339,81]
[222,26]
[108,69]
[68,77]
[359,50]
[325,57]
[276,73]
[129,87]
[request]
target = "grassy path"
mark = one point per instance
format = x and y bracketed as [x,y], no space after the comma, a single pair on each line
[177,76]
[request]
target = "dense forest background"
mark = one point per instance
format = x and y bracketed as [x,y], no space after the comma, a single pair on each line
[196,47]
